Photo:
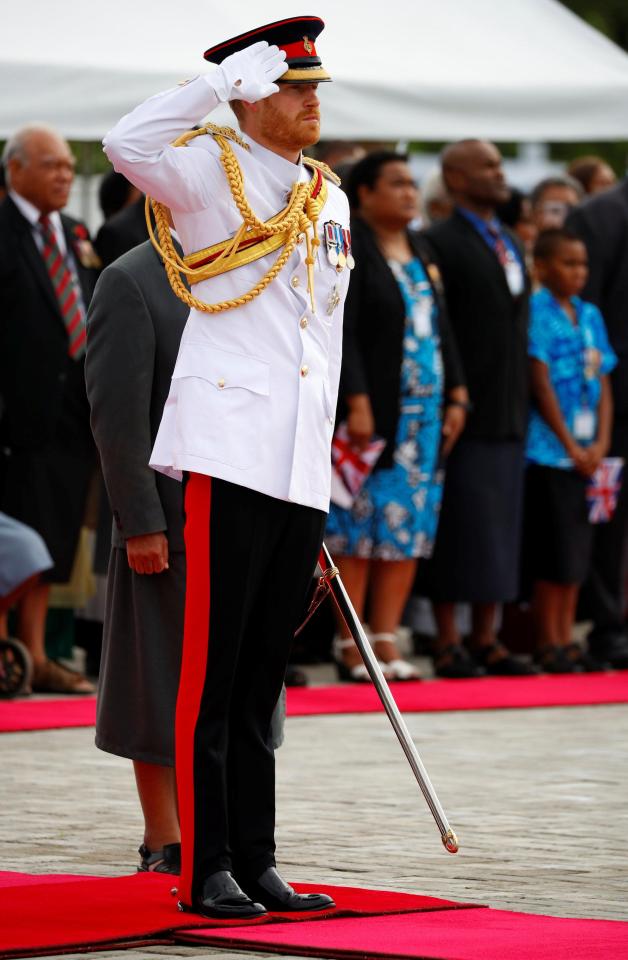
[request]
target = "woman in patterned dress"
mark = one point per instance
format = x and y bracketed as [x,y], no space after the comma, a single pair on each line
[402,381]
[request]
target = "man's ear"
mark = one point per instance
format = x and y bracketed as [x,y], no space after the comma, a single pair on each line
[363,192]
[453,179]
[14,166]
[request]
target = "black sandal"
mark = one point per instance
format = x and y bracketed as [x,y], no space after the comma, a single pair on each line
[504,664]
[166,860]
[456,663]
[554,659]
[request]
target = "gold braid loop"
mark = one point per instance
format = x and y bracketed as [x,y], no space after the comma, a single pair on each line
[299,216]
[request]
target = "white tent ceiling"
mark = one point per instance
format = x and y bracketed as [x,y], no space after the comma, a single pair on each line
[502,69]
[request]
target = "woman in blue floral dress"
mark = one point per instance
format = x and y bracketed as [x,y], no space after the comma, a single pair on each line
[401,380]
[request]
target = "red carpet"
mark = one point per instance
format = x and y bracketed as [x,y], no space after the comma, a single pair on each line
[48,914]
[50,714]
[480,934]
[487,693]
[490,693]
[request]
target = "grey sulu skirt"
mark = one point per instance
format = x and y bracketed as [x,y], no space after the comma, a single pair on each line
[476,557]
[141,661]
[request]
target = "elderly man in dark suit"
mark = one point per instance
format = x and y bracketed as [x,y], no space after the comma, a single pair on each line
[602,222]
[135,324]
[486,287]
[47,275]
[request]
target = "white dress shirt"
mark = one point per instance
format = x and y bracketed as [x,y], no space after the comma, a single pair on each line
[254,390]
[32,214]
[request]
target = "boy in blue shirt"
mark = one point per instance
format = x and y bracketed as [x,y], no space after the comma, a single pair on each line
[568,436]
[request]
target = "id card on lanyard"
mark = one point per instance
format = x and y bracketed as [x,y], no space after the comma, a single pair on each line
[422,300]
[515,277]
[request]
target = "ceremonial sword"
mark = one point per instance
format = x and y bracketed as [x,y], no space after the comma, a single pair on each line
[330,582]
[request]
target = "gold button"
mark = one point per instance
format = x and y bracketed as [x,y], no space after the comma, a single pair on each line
[305,370]
[221,384]
[295,282]
[303,322]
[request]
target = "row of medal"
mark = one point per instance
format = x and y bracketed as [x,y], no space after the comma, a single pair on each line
[338,245]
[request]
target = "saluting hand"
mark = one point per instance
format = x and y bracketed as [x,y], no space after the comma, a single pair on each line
[250,74]
[148,553]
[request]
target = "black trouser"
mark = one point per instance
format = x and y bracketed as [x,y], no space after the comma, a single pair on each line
[602,596]
[250,560]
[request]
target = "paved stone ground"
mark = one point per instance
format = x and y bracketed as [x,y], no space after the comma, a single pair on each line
[538,798]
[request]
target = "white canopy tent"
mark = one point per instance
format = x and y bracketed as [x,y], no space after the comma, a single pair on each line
[516,70]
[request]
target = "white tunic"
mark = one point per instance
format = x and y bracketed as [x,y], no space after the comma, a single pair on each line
[254,390]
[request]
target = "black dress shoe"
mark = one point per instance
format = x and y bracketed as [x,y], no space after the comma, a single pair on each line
[278,896]
[223,899]
[610,648]
[585,660]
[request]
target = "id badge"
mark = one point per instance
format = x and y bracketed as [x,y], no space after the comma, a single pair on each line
[584,424]
[514,276]
[422,316]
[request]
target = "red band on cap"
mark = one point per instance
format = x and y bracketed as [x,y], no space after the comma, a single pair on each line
[303,48]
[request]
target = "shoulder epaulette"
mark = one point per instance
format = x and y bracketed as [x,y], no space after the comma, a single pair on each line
[227,132]
[212,130]
[324,169]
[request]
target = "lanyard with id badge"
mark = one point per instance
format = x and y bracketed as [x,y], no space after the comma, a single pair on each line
[515,277]
[422,310]
[584,418]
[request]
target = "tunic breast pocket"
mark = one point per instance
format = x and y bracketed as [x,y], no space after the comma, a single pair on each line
[222,404]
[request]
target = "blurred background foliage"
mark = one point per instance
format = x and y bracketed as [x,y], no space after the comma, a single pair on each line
[610,17]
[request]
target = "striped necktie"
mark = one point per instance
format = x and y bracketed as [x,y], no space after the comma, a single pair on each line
[66,290]
[499,245]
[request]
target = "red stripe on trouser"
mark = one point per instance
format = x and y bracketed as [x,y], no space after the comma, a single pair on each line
[193,664]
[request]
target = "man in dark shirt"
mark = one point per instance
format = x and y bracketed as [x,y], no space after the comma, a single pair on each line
[486,287]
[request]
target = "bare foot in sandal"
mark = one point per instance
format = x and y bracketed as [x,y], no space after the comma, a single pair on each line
[51,677]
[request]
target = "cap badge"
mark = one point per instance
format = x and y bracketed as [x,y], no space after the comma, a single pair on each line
[307,46]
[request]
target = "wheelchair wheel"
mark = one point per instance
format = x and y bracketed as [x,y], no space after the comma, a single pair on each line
[15,669]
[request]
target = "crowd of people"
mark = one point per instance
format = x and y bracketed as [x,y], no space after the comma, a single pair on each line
[521,408]
[475,346]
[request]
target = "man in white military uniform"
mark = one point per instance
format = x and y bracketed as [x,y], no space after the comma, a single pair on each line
[248,423]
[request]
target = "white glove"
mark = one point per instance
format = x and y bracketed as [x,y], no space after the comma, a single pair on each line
[249,74]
